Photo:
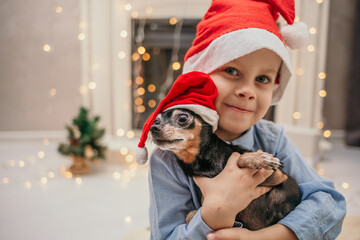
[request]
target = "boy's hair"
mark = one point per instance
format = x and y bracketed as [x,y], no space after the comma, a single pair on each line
[233,28]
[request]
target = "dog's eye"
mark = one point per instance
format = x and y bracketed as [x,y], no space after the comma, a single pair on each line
[182,118]
[156,121]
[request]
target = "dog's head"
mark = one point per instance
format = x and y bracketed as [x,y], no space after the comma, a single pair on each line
[180,131]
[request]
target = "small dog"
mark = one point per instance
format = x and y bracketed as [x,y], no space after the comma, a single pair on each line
[199,152]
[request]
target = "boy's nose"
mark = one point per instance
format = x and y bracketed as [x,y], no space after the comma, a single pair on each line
[245,91]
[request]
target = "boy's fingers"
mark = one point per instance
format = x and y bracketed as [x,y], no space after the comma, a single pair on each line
[262,174]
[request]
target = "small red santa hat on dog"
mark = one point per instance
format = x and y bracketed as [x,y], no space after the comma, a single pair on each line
[195,91]
[233,28]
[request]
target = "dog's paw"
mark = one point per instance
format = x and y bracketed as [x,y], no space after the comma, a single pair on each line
[258,160]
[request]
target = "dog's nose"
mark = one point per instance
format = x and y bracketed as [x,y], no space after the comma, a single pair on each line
[155,128]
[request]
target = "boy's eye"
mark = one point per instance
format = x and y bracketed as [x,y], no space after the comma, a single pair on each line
[182,118]
[262,79]
[231,71]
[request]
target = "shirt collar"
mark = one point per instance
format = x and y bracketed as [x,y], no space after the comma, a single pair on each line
[246,140]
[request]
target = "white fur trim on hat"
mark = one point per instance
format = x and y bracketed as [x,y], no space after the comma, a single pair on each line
[236,44]
[296,35]
[141,155]
[208,115]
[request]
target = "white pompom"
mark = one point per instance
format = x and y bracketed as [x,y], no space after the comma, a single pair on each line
[141,155]
[296,35]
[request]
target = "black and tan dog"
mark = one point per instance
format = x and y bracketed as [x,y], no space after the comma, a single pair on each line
[199,152]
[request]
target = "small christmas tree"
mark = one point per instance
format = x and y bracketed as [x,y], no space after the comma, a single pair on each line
[83,144]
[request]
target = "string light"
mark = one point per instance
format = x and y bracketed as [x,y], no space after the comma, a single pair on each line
[176,66]
[41,154]
[141,109]
[43,180]
[141,91]
[5,180]
[120,132]
[296,115]
[322,93]
[138,101]
[127,7]
[151,88]
[11,163]
[52,92]
[134,14]
[322,75]
[312,30]
[124,151]
[139,80]
[129,158]
[128,219]
[319,1]
[135,57]
[46,48]
[78,181]
[152,103]
[28,184]
[320,125]
[345,185]
[21,164]
[121,55]
[51,175]
[116,175]
[327,133]
[146,57]
[300,71]
[173,20]
[82,24]
[141,50]
[296,19]
[130,134]
[58,9]
[311,48]
[83,89]
[123,34]
[46,142]
[92,85]
[81,36]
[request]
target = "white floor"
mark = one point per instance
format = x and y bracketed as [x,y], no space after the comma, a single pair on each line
[38,201]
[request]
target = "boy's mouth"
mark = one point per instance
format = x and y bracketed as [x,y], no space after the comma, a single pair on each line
[239,109]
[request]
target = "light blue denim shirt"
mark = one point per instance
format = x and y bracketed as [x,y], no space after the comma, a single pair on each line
[173,195]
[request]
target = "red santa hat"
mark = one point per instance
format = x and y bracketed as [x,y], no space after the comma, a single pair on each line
[194,91]
[233,28]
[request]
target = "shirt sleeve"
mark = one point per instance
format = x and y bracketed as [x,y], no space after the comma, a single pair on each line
[172,197]
[322,209]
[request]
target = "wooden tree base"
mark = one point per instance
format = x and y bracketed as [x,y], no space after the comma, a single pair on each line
[80,166]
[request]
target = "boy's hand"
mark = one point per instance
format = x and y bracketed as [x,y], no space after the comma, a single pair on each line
[276,231]
[230,192]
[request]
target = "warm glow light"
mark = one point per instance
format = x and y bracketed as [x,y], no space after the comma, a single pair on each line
[296,115]
[300,71]
[83,89]
[92,85]
[345,185]
[322,93]
[321,171]
[121,55]
[68,175]
[141,50]
[21,164]
[116,175]
[141,109]
[120,132]
[127,7]
[296,19]
[152,103]
[320,125]
[124,151]
[52,92]
[128,219]
[130,134]
[173,20]
[319,1]
[28,184]
[312,30]
[46,142]
[43,180]
[46,48]
[146,57]
[128,82]
[41,154]
[134,14]
[149,10]
[82,24]
[141,91]
[129,158]
[311,48]
[58,9]
[135,57]
[322,75]
[123,34]
[11,163]
[327,133]
[51,175]
[81,36]
[176,66]
[151,88]
[78,181]
[5,180]
[139,80]
[138,101]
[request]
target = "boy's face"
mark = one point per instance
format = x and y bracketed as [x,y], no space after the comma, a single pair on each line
[245,88]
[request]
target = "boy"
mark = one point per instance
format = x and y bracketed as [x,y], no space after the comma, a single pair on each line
[239,45]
